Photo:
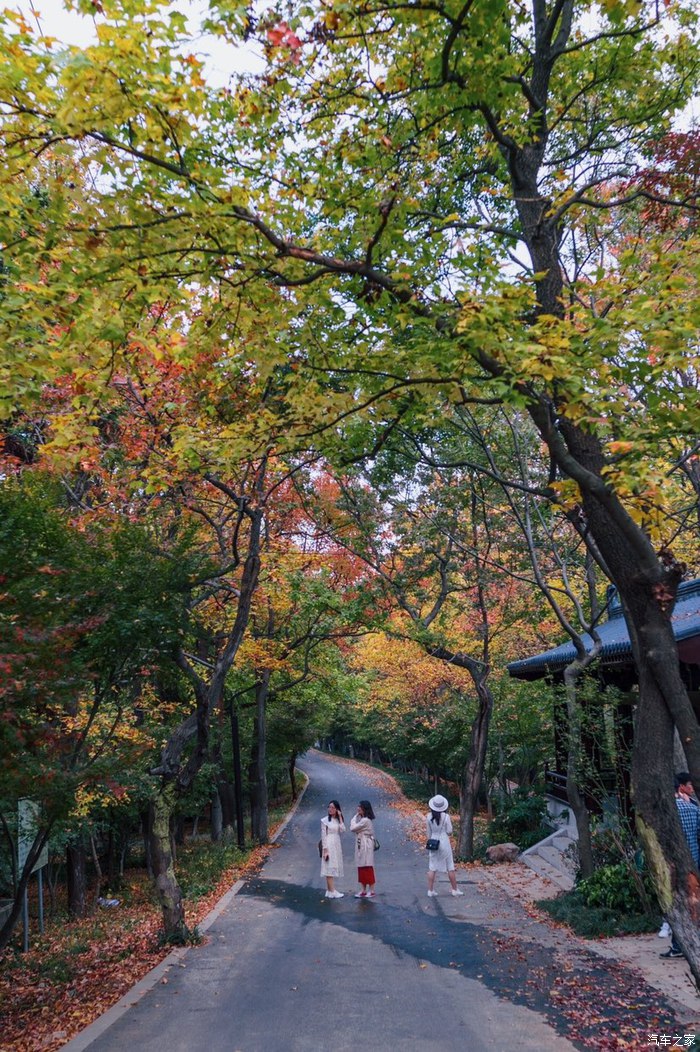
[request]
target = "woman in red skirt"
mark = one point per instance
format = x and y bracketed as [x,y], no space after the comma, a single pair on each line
[361,826]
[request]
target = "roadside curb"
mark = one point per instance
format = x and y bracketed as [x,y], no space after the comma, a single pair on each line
[174,959]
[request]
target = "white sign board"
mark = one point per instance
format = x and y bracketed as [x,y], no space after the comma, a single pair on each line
[27,827]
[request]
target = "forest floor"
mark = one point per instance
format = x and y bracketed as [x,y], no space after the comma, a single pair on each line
[79,968]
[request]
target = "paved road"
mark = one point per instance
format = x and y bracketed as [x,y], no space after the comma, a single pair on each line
[286,970]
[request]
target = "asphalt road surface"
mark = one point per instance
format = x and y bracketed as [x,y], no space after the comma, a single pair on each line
[286,970]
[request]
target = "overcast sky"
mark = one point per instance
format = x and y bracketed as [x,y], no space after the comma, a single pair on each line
[71,28]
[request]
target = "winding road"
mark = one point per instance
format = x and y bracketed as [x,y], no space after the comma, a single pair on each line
[283,968]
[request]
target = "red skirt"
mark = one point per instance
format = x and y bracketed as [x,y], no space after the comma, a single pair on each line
[365,875]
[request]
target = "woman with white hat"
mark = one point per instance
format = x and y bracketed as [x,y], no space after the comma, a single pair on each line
[440,858]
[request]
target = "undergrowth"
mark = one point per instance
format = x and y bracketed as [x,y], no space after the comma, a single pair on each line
[592,922]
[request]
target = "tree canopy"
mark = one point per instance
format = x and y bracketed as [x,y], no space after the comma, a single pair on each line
[413,213]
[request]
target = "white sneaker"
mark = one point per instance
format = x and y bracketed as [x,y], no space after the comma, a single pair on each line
[456,891]
[432,894]
[337,894]
[664,930]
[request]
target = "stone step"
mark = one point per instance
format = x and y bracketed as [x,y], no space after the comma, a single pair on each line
[550,854]
[563,841]
[546,869]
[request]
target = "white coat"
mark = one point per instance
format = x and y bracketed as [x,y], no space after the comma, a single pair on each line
[331,845]
[364,840]
[440,861]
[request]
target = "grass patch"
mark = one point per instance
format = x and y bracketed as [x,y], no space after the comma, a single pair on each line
[56,969]
[200,865]
[593,922]
[412,786]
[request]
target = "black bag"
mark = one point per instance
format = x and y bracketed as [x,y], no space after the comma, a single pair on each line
[377,845]
[432,844]
[320,849]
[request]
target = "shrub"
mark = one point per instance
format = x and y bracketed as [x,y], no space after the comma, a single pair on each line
[614,888]
[592,922]
[200,866]
[521,819]
[611,842]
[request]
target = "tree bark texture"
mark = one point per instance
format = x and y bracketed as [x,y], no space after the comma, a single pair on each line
[167,887]
[76,879]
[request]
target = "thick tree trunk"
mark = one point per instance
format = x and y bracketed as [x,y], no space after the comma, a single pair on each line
[666,849]
[647,589]
[646,580]
[228,809]
[76,879]
[167,887]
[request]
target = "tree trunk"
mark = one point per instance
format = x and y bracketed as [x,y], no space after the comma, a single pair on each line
[76,879]
[666,849]
[98,868]
[176,775]
[258,763]
[647,591]
[167,887]
[647,582]
[177,826]
[37,847]
[146,818]
[573,769]
[228,809]
[216,827]
[291,767]
[114,853]
[473,773]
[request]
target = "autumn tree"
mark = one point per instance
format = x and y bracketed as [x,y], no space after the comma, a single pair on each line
[431,539]
[310,602]
[412,183]
[87,616]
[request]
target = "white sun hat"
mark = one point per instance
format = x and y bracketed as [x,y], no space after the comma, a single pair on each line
[438,803]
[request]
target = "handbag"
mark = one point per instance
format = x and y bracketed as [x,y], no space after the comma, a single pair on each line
[377,845]
[320,849]
[432,844]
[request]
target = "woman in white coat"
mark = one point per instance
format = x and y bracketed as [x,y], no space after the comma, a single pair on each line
[361,826]
[439,827]
[331,849]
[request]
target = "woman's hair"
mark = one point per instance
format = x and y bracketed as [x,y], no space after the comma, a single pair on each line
[337,807]
[367,808]
[437,815]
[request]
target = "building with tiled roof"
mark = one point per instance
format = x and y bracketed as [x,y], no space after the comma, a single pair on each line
[615,667]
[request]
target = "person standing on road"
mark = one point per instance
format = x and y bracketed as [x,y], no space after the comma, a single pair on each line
[361,826]
[331,849]
[439,827]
